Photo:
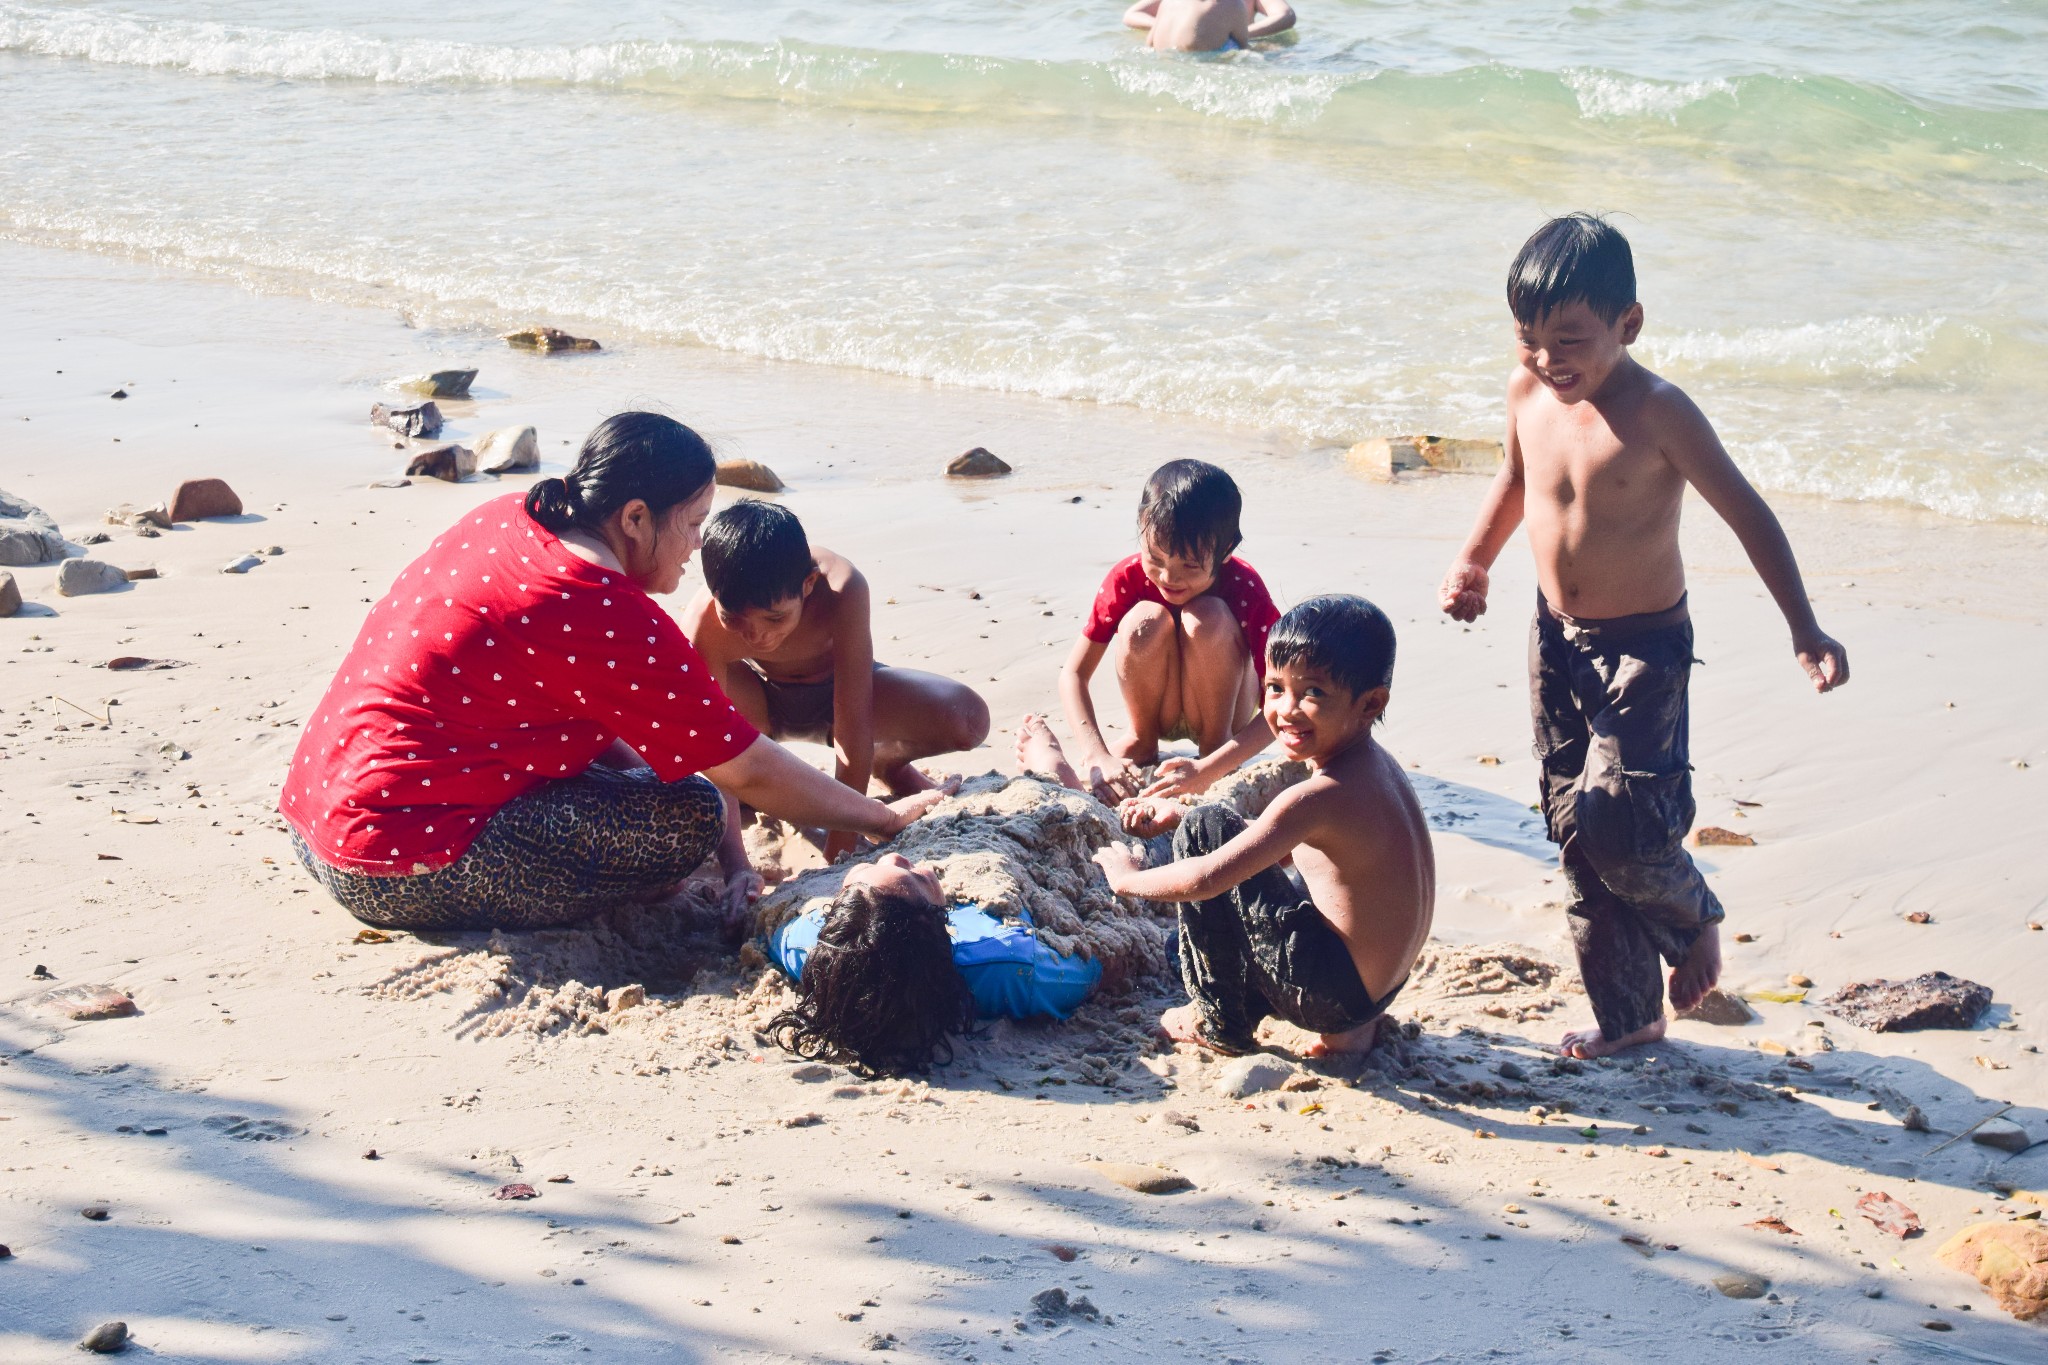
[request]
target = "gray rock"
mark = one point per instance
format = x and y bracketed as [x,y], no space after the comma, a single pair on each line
[1930,1000]
[128,514]
[10,595]
[441,383]
[811,1072]
[423,420]
[105,1339]
[94,538]
[27,535]
[241,564]
[1740,1284]
[1242,1076]
[78,577]
[1511,1071]
[508,449]
[2003,1134]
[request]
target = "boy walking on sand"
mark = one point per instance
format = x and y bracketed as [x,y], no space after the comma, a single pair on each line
[1327,953]
[1185,623]
[785,629]
[1599,453]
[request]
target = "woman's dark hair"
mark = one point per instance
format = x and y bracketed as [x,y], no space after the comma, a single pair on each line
[1577,256]
[880,993]
[628,455]
[1191,509]
[755,555]
[1346,637]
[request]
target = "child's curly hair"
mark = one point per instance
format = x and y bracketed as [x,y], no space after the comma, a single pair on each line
[879,994]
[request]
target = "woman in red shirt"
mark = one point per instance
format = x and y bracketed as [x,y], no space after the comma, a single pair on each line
[521,737]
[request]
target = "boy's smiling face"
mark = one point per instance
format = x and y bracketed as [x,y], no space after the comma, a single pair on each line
[1314,717]
[1179,578]
[1572,350]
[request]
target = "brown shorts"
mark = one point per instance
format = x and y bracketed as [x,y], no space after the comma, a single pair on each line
[800,711]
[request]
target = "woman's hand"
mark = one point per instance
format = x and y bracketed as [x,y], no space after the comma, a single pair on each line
[1148,816]
[908,810]
[1119,864]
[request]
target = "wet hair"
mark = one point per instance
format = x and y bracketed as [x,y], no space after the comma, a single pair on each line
[755,555]
[1191,509]
[1577,257]
[628,455]
[1346,637]
[879,993]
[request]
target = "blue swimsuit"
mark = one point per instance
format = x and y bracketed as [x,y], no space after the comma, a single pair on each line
[1009,971]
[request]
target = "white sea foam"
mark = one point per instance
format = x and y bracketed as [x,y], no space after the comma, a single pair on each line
[1242,90]
[1873,346]
[1604,95]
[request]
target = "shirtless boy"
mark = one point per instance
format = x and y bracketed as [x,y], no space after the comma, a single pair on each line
[785,629]
[1186,623]
[1208,25]
[1599,453]
[1328,953]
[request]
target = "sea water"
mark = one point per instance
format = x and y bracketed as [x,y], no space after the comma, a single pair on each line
[1839,207]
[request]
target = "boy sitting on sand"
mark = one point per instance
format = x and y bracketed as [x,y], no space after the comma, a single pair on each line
[1329,953]
[1599,453]
[1208,25]
[1187,622]
[785,629]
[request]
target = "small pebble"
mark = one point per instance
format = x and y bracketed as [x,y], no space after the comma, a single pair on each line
[105,1339]
[97,1213]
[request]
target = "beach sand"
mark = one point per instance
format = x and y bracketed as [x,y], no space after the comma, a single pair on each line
[1465,1193]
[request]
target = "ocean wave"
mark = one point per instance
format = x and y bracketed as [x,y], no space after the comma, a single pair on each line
[1869,346]
[1606,95]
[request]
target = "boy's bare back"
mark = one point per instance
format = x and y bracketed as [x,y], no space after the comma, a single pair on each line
[1362,847]
[1207,25]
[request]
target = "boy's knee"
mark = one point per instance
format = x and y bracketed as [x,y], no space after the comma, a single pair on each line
[1205,829]
[1147,628]
[964,720]
[1208,625]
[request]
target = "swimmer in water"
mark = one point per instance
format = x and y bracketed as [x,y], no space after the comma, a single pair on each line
[1208,25]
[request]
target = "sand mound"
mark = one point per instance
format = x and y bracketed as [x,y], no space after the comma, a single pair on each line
[1506,980]
[1018,846]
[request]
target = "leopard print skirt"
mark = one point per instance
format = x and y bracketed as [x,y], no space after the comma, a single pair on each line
[557,855]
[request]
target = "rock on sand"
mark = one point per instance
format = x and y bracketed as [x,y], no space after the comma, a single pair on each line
[439,384]
[1242,1076]
[80,577]
[546,339]
[423,420]
[85,1003]
[10,594]
[508,449]
[1930,1000]
[27,535]
[2009,1259]
[1740,1284]
[450,464]
[198,499]
[2003,1134]
[977,464]
[751,475]
[1720,1007]
[105,1339]
[1143,1179]
[1382,457]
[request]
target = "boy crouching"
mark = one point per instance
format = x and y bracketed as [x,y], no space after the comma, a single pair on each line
[1329,951]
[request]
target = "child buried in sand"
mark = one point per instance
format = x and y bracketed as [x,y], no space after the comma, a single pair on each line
[1186,622]
[1330,952]
[1599,453]
[886,973]
[785,629]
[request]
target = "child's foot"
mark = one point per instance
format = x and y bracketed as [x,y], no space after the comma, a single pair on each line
[906,779]
[1588,1043]
[1358,1040]
[1698,974]
[1039,751]
[1183,1024]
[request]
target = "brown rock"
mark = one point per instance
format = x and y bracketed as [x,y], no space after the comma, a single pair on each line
[516,1190]
[10,594]
[1919,917]
[198,499]
[1382,457]
[548,339]
[1143,1179]
[441,383]
[451,464]
[751,475]
[1889,1215]
[1740,1284]
[83,1003]
[1930,1000]
[2009,1259]
[422,421]
[136,575]
[1720,1007]
[1713,836]
[108,1337]
[977,464]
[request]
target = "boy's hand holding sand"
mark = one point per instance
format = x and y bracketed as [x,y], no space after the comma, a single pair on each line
[1598,454]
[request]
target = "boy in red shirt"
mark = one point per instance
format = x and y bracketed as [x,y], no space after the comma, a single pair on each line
[1187,624]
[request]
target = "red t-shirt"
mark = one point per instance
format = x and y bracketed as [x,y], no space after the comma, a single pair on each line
[499,660]
[1237,583]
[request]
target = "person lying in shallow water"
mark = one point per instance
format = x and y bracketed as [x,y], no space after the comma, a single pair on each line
[521,737]
[887,972]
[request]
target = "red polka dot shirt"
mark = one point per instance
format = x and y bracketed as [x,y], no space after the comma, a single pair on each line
[1237,583]
[500,660]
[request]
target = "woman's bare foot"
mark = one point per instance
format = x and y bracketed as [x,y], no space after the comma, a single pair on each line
[1357,1040]
[1588,1043]
[1039,751]
[1699,973]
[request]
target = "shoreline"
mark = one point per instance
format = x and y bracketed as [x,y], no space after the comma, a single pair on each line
[1900,794]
